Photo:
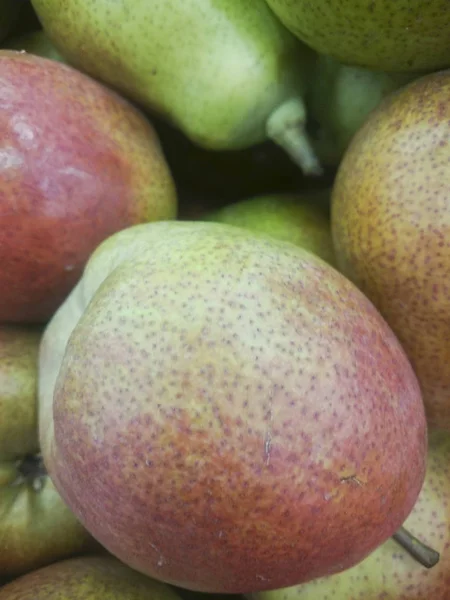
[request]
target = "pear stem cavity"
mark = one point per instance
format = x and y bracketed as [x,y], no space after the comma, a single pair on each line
[286,126]
[31,470]
[425,555]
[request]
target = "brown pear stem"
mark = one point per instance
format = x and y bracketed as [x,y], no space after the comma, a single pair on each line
[286,126]
[425,555]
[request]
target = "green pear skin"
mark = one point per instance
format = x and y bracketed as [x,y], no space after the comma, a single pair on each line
[35,42]
[19,348]
[340,98]
[36,527]
[405,35]
[301,219]
[390,573]
[227,73]
[391,224]
[247,419]
[86,578]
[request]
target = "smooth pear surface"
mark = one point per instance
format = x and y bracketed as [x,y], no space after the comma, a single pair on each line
[391,226]
[216,69]
[36,526]
[301,219]
[243,417]
[86,578]
[390,573]
[406,35]
[19,348]
[73,170]
[340,98]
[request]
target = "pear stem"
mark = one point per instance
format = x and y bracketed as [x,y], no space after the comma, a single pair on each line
[286,126]
[425,555]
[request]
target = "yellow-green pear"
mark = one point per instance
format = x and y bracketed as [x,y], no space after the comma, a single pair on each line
[390,573]
[36,527]
[339,100]
[302,219]
[400,35]
[86,578]
[227,73]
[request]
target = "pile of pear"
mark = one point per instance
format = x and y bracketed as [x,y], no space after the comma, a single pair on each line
[224,299]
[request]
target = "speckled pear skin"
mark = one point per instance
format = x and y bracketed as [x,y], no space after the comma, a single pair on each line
[405,35]
[215,68]
[390,573]
[86,578]
[18,391]
[227,412]
[391,226]
[75,168]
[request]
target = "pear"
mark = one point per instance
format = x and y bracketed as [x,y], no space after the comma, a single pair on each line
[387,36]
[227,73]
[391,225]
[72,173]
[86,578]
[36,527]
[35,42]
[9,9]
[243,418]
[390,572]
[340,99]
[301,219]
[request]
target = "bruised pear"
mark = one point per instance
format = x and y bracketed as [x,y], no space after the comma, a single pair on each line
[225,411]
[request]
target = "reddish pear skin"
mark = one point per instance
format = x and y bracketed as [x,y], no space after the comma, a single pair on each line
[77,163]
[226,412]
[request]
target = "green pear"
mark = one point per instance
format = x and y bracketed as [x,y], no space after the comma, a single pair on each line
[227,73]
[242,415]
[390,573]
[35,42]
[301,219]
[387,36]
[86,578]
[340,99]
[391,224]
[36,527]
[9,9]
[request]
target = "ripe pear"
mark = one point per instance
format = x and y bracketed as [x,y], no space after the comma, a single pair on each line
[390,572]
[340,99]
[246,418]
[87,578]
[36,527]
[386,36]
[391,225]
[301,219]
[71,173]
[35,42]
[227,73]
